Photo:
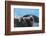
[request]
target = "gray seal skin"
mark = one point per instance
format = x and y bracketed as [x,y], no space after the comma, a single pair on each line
[26,22]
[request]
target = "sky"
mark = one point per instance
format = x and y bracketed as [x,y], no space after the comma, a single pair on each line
[25,11]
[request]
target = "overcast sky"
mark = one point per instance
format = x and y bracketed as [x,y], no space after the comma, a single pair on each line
[25,11]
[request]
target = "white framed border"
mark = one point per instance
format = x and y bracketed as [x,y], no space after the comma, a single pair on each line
[25,28]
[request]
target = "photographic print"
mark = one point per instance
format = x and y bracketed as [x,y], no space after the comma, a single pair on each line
[24,17]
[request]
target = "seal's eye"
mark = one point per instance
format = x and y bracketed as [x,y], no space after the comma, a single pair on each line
[31,19]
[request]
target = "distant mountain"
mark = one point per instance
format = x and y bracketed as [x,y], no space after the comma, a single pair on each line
[36,18]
